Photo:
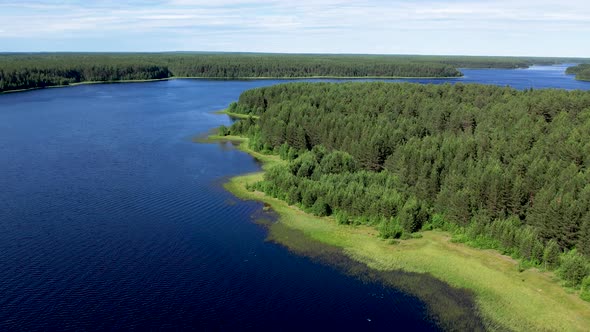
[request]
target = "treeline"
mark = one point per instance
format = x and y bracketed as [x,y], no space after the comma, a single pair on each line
[44,70]
[581,71]
[501,168]
[37,70]
[494,61]
[290,66]
[24,71]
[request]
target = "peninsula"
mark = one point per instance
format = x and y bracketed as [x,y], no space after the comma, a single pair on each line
[479,186]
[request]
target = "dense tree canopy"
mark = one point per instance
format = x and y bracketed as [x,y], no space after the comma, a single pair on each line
[582,71]
[43,70]
[510,168]
[24,71]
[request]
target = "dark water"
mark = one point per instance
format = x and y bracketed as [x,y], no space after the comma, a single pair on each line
[111,218]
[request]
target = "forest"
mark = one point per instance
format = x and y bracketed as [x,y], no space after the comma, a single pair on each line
[24,71]
[581,71]
[499,168]
[37,70]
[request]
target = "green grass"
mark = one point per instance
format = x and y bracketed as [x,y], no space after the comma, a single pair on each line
[523,301]
[237,115]
[218,138]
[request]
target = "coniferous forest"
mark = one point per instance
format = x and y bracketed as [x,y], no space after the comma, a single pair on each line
[500,168]
[25,71]
[581,71]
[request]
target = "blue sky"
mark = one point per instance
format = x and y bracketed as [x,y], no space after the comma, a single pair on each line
[494,27]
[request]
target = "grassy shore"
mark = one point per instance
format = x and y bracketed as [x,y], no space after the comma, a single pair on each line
[218,138]
[523,301]
[237,115]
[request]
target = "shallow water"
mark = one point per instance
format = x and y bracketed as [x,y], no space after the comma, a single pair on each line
[111,218]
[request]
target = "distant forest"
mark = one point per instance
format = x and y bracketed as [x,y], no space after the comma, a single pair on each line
[581,71]
[38,70]
[502,168]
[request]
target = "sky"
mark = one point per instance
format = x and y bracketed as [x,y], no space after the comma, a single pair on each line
[460,27]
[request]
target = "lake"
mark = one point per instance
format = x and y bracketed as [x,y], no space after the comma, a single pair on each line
[112,218]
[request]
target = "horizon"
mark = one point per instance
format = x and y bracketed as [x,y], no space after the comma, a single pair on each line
[291,53]
[500,28]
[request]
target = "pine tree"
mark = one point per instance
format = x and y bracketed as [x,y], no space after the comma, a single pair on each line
[551,255]
[583,245]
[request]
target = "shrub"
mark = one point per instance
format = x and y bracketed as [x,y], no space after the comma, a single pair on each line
[222,131]
[538,248]
[438,221]
[526,243]
[293,196]
[406,236]
[320,208]
[292,154]
[342,218]
[412,216]
[390,229]
[573,268]
[551,255]
[284,151]
[585,294]
[308,198]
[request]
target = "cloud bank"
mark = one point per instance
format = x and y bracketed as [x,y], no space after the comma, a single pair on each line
[496,27]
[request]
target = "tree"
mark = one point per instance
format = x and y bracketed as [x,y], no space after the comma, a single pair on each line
[308,198]
[403,151]
[321,208]
[583,245]
[412,216]
[293,196]
[527,244]
[222,131]
[551,255]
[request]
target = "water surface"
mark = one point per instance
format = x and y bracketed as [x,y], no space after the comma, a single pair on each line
[111,218]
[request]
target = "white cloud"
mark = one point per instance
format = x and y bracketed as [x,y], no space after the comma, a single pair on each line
[316,22]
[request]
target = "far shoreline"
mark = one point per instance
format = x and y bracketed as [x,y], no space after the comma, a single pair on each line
[268,78]
[234,79]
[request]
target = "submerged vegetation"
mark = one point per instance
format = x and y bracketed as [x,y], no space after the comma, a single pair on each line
[507,298]
[499,168]
[581,71]
[20,71]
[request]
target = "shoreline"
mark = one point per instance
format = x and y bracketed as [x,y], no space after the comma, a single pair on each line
[235,115]
[233,79]
[84,83]
[505,297]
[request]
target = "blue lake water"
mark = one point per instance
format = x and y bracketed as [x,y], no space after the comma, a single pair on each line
[111,218]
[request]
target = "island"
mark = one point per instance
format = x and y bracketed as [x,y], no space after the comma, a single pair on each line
[483,187]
